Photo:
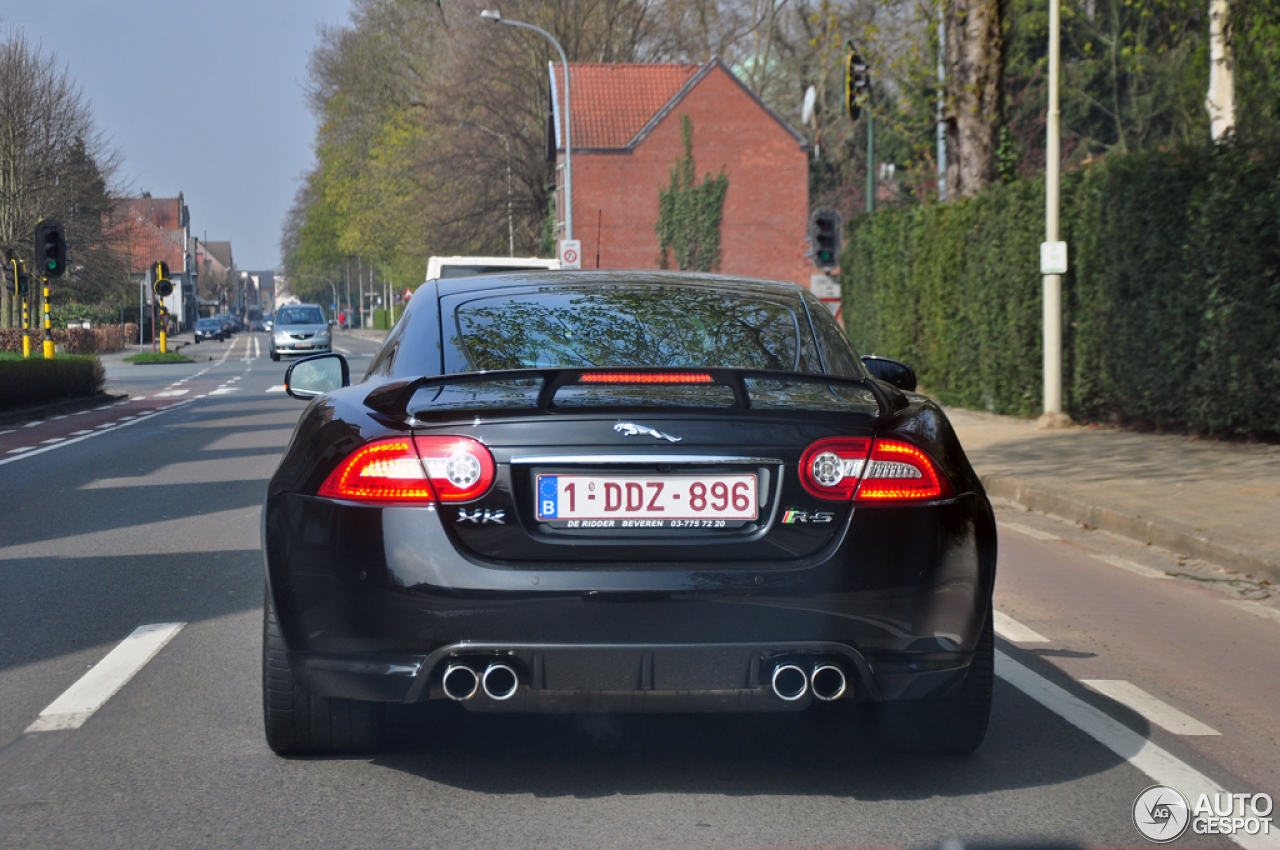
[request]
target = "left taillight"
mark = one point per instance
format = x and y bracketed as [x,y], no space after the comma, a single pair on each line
[415,470]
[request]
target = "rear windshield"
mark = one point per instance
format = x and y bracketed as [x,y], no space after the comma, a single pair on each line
[208,323]
[628,326]
[300,316]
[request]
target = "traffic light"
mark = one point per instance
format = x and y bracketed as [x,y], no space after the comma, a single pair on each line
[162,286]
[15,271]
[826,226]
[857,84]
[51,248]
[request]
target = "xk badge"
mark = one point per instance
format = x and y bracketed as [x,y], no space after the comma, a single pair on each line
[792,516]
[482,517]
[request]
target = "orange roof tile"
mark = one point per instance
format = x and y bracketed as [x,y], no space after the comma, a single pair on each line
[612,103]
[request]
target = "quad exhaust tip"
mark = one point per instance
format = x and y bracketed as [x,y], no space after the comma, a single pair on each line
[828,682]
[789,682]
[499,682]
[460,682]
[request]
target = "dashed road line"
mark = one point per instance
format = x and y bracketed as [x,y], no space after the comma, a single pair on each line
[79,702]
[106,428]
[1155,710]
[1028,530]
[1130,566]
[1153,760]
[171,393]
[1014,632]
[224,391]
[276,388]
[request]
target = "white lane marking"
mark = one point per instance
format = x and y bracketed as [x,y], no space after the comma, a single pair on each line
[79,433]
[33,424]
[1153,760]
[276,388]
[171,393]
[105,425]
[10,431]
[224,391]
[1254,608]
[78,703]
[1157,711]
[1130,566]
[22,449]
[105,429]
[1028,530]
[257,348]
[1014,632]
[50,442]
[341,350]
[63,416]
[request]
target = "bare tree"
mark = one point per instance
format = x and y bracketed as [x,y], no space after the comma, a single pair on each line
[52,160]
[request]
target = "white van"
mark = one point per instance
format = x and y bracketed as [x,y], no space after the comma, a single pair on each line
[438,267]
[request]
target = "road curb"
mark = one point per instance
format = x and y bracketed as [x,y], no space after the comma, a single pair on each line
[1157,531]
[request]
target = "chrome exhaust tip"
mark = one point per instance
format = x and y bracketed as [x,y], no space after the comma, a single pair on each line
[499,682]
[460,682]
[828,682]
[789,682]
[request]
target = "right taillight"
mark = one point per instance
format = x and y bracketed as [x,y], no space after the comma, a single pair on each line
[899,472]
[843,469]
[414,470]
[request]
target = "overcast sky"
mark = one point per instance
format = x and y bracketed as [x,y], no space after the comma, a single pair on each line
[204,98]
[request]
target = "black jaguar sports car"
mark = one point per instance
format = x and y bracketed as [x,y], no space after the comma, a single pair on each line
[624,491]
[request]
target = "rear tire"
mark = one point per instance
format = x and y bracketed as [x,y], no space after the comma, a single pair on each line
[951,725]
[299,724]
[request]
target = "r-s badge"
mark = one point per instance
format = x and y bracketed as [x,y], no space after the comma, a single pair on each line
[792,516]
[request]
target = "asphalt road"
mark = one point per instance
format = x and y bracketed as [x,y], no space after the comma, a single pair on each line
[146,513]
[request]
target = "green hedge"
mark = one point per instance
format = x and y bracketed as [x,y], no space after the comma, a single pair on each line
[36,381]
[1171,307]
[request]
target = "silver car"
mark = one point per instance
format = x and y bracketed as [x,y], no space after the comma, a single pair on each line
[300,329]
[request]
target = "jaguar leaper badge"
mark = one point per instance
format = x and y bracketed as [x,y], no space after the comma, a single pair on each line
[629,429]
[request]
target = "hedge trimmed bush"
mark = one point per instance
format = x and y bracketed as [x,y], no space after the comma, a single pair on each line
[38,381]
[1171,306]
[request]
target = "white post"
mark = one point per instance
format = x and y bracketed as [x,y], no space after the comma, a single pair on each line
[1053,415]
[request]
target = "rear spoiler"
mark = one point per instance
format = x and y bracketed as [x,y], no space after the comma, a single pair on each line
[393,399]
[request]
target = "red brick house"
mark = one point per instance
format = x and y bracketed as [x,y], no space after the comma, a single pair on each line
[626,128]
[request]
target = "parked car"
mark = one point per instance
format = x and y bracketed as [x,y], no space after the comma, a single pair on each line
[210,328]
[300,329]
[624,491]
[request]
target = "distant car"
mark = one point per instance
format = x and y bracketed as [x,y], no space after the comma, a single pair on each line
[299,329]
[228,326]
[256,325]
[628,491]
[267,322]
[209,329]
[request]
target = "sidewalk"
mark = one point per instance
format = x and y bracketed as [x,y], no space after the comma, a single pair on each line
[1216,501]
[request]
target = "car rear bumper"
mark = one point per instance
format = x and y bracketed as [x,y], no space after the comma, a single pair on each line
[376,603]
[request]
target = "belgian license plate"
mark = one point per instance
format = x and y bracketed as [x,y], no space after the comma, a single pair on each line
[647,501]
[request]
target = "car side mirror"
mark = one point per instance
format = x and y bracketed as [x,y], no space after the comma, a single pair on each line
[316,375]
[333,322]
[893,372]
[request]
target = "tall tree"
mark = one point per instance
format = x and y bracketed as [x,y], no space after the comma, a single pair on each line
[975,80]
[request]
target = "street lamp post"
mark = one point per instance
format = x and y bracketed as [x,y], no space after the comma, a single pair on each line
[496,16]
[511,223]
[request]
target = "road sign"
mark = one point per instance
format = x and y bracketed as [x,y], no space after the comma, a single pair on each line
[408,293]
[570,254]
[827,288]
[1053,258]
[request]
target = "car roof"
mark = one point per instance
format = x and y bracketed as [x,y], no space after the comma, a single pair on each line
[728,283]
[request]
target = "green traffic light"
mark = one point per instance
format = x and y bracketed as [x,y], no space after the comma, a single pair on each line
[52,265]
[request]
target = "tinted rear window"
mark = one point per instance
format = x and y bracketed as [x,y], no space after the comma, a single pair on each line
[468,271]
[623,326]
